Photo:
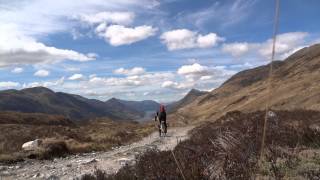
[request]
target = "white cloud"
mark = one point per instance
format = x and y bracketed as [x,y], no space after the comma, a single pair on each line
[186,39]
[203,78]
[208,40]
[138,80]
[42,73]
[236,49]
[179,39]
[17,70]
[194,69]
[169,84]
[222,14]
[159,85]
[195,72]
[9,84]
[100,29]
[118,35]
[18,49]
[198,76]
[92,75]
[286,44]
[48,84]
[178,85]
[130,72]
[23,24]
[76,77]
[43,17]
[72,69]
[246,65]
[108,17]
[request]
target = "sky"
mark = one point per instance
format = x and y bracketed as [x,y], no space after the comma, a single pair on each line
[144,49]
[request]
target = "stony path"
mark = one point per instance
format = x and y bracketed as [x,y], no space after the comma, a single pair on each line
[73,167]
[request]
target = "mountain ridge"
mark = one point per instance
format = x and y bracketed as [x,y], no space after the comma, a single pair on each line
[294,86]
[188,98]
[75,107]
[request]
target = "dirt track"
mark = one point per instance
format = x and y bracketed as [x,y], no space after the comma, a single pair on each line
[74,166]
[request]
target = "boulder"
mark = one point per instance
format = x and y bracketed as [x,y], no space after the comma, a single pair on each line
[32,145]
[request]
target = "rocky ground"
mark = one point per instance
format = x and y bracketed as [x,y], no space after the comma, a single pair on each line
[73,167]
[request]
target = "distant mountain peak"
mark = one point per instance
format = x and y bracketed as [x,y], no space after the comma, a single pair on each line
[113,99]
[193,91]
[38,89]
[191,96]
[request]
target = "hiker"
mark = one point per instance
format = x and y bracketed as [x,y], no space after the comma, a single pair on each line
[162,116]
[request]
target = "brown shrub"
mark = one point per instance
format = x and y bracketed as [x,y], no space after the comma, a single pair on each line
[95,135]
[229,148]
[49,149]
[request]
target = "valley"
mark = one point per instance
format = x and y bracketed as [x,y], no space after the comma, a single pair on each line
[214,134]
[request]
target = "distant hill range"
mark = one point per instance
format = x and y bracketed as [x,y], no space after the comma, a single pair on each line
[75,107]
[295,85]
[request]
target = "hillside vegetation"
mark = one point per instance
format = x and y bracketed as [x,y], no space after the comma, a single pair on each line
[229,148]
[295,85]
[96,135]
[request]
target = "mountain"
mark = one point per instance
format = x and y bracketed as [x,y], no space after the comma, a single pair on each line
[75,107]
[295,85]
[141,110]
[144,106]
[117,107]
[189,98]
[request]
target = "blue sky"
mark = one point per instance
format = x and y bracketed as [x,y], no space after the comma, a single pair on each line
[144,49]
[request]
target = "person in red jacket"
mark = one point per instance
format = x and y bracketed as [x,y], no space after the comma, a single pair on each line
[162,117]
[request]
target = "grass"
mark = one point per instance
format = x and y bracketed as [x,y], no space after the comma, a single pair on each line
[229,149]
[61,139]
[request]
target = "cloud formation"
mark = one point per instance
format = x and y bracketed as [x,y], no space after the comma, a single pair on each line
[124,18]
[185,39]
[194,69]
[24,24]
[130,72]
[56,84]
[17,70]
[76,77]
[198,76]
[42,73]
[18,49]
[236,49]
[287,43]
[9,85]
[118,35]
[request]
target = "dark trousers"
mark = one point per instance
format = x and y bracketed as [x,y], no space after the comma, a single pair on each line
[165,126]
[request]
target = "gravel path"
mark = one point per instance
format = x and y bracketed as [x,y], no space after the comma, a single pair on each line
[73,167]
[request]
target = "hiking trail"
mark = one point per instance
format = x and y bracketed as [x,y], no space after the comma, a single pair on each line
[74,166]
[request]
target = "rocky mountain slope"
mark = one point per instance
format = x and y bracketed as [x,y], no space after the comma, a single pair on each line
[75,107]
[189,98]
[295,85]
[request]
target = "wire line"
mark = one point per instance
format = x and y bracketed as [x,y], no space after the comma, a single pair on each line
[269,85]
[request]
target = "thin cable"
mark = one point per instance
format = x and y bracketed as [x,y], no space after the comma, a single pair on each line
[269,85]
[177,162]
